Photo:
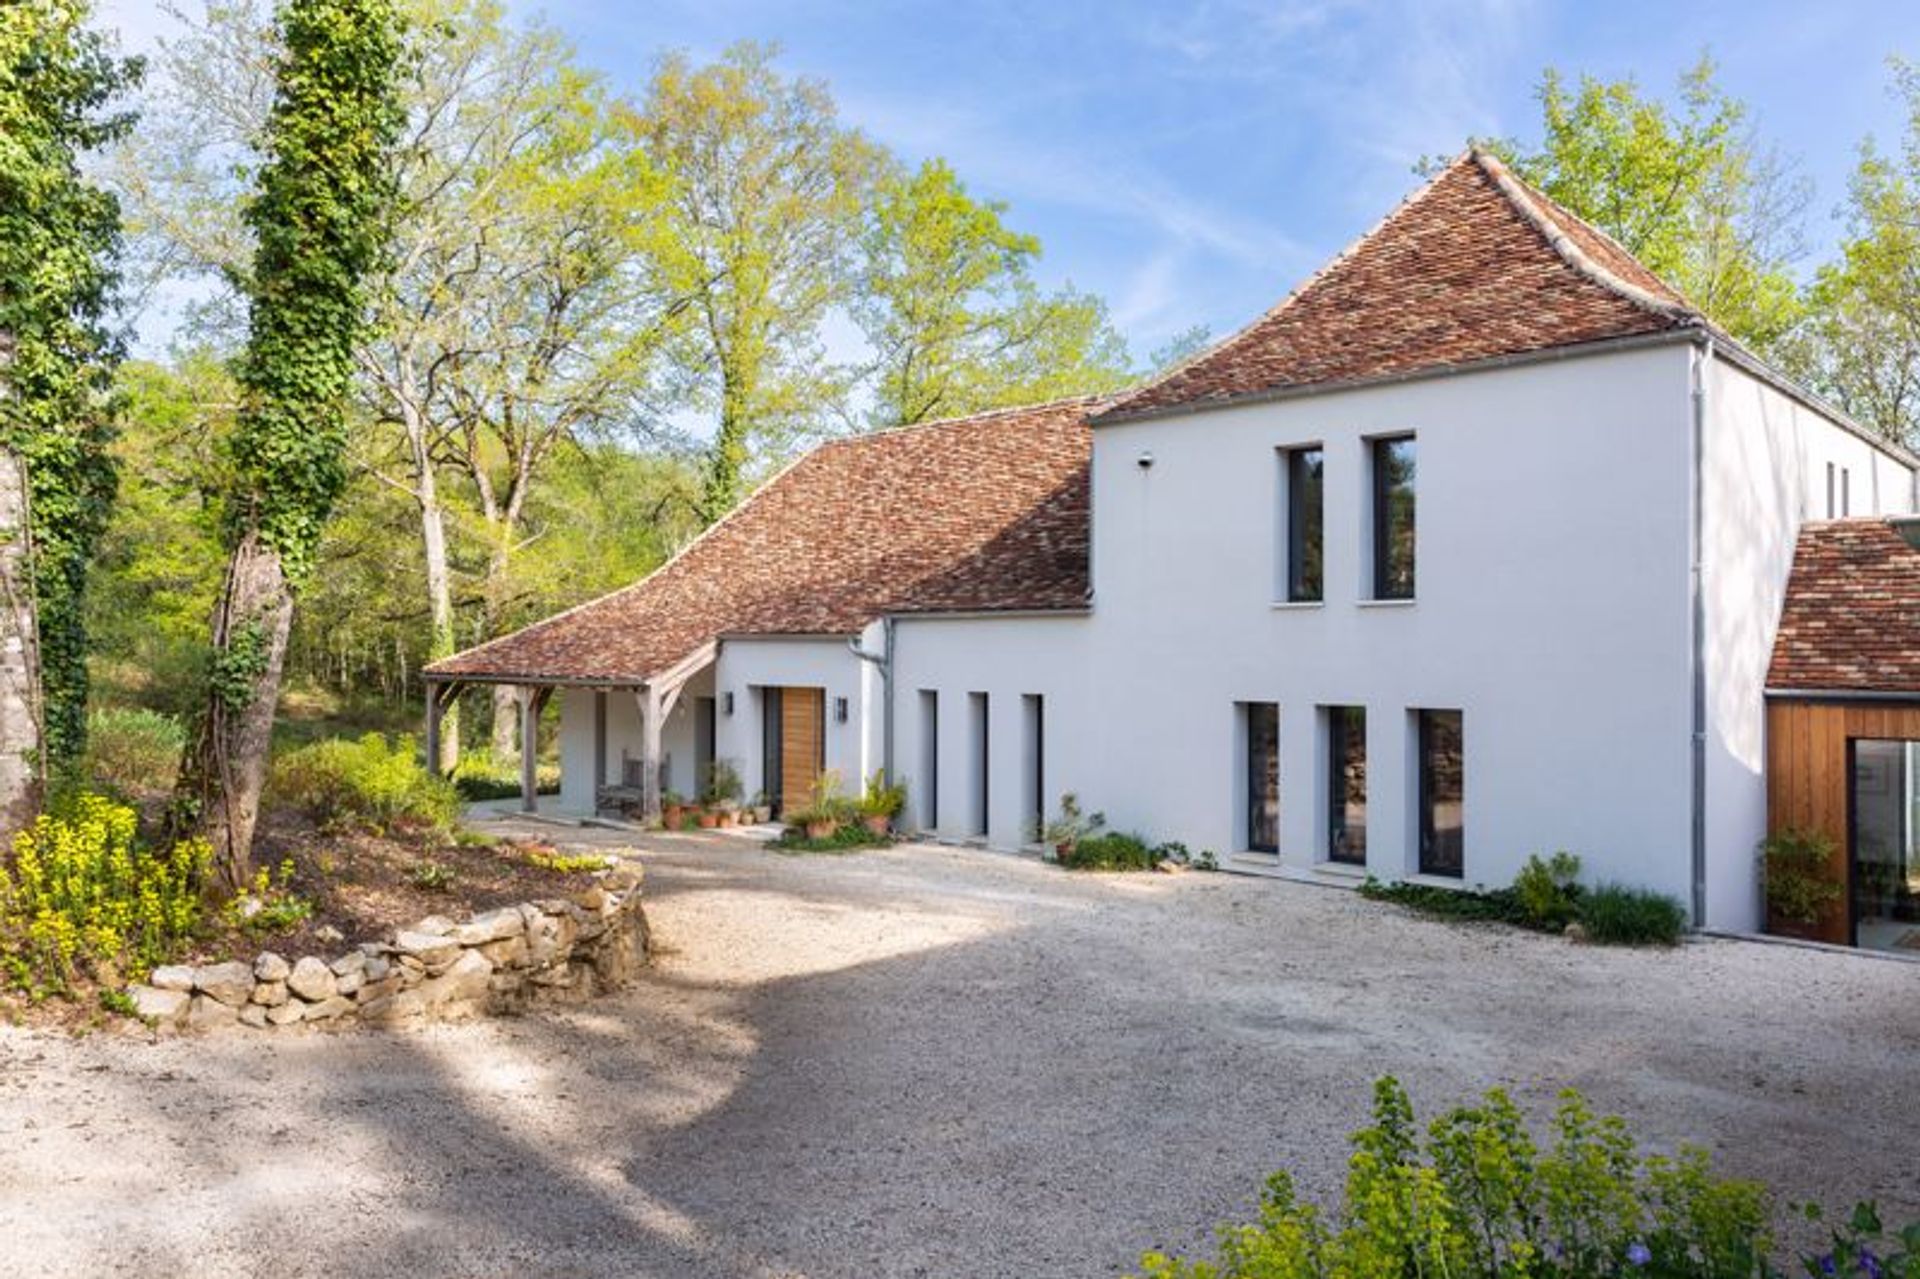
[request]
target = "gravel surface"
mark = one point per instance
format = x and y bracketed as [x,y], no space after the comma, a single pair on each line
[928,1061]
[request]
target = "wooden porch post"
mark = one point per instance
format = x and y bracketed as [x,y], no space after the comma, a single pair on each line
[435,707]
[529,749]
[650,733]
[599,745]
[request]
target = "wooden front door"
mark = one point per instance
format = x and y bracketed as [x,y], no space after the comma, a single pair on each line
[800,727]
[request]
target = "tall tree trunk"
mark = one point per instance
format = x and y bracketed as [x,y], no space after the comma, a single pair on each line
[20,736]
[506,701]
[226,765]
[433,538]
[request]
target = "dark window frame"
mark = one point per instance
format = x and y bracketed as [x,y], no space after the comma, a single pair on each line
[1255,781]
[1428,855]
[1380,448]
[1340,723]
[1306,579]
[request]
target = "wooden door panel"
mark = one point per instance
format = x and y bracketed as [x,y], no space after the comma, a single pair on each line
[802,743]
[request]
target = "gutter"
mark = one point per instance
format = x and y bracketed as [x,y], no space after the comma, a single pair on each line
[1840,695]
[883,662]
[1697,624]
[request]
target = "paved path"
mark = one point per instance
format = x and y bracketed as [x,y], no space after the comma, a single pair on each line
[927,1062]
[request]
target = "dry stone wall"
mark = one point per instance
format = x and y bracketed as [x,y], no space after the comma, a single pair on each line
[499,961]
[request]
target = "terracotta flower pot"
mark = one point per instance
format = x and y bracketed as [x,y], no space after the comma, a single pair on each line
[1063,853]
[707,820]
[672,815]
[822,830]
[877,823]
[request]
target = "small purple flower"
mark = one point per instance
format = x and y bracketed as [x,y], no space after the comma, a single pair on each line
[1639,1254]
[1870,1265]
[1826,1265]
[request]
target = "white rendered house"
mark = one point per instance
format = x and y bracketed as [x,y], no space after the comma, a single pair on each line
[1474,547]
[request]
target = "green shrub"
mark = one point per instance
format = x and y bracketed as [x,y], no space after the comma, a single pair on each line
[132,752]
[372,780]
[1613,914]
[1796,869]
[269,905]
[477,778]
[1477,1199]
[1548,891]
[1500,905]
[432,877]
[568,863]
[881,798]
[81,894]
[846,837]
[1112,850]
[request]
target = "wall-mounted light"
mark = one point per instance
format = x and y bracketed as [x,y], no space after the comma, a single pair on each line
[1145,460]
[839,710]
[727,701]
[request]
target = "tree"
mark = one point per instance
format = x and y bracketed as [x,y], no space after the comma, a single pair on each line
[1860,343]
[1690,192]
[59,240]
[764,200]
[319,221]
[947,301]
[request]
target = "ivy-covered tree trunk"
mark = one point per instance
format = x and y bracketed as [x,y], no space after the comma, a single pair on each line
[227,769]
[320,216]
[19,653]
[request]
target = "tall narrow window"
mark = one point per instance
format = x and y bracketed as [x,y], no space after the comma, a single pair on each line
[1263,777]
[1442,794]
[929,780]
[1832,507]
[1846,490]
[982,761]
[1393,538]
[1033,710]
[1347,784]
[1306,469]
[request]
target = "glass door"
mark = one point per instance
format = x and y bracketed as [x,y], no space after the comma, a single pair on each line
[1885,869]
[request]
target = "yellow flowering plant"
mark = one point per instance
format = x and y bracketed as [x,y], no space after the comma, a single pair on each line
[80,893]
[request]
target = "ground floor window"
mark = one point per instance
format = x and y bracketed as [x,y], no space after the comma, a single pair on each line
[1263,777]
[1033,710]
[1442,793]
[929,780]
[1347,784]
[1886,844]
[982,762]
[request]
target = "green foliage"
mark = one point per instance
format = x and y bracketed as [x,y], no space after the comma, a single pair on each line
[269,903]
[881,798]
[132,752]
[83,896]
[724,788]
[947,299]
[1070,825]
[432,877]
[234,671]
[1796,870]
[846,837]
[1545,898]
[476,777]
[1613,914]
[568,863]
[59,241]
[1112,850]
[1860,344]
[374,780]
[320,221]
[1477,1197]
[1684,188]
[1549,891]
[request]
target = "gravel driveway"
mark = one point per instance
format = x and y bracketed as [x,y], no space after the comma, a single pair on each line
[932,1062]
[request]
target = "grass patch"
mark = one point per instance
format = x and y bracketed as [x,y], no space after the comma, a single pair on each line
[1111,850]
[1615,915]
[1498,905]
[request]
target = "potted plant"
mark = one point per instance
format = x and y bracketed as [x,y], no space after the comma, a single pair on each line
[723,791]
[706,817]
[881,802]
[673,810]
[825,810]
[1797,872]
[1065,831]
[762,807]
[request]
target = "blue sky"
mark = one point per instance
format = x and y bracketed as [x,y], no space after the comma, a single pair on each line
[1190,162]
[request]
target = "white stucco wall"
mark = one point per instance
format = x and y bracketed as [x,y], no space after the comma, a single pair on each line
[1765,474]
[1007,659]
[1552,611]
[747,665]
[623,735]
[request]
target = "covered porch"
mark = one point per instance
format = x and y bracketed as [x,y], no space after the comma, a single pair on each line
[630,719]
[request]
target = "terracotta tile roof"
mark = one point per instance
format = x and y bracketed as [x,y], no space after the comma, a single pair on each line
[1851,621]
[988,514]
[1474,265]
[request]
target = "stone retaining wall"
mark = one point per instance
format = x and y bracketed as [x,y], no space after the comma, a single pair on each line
[499,961]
